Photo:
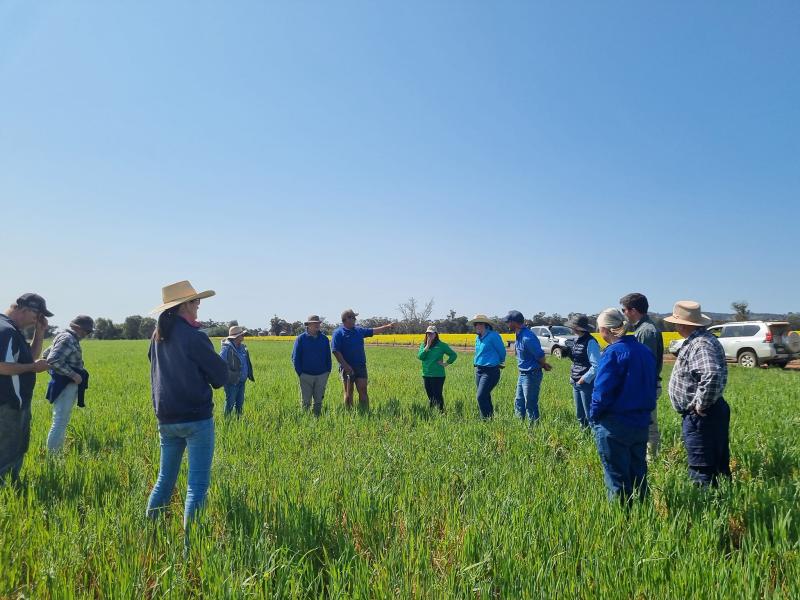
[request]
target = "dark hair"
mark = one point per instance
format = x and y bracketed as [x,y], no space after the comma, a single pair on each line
[166,321]
[637,301]
[435,340]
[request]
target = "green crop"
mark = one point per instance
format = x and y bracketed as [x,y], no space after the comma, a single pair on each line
[401,502]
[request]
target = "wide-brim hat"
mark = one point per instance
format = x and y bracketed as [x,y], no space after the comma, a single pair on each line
[687,312]
[178,293]
[580,322]
[236,331]
[481,318]
[312,319]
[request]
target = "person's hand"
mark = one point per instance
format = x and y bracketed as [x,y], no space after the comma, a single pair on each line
[77,378]
[389,325]
[41,324]
[348,370]
[549,367]
[580,381]
[700,412]
[40,366]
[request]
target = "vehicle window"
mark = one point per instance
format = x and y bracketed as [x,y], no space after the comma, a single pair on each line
[730,331]
[749,330]
[560,330]
[715,331]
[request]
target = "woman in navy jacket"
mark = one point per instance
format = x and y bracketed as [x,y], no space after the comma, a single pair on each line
[624,395]
[183,368]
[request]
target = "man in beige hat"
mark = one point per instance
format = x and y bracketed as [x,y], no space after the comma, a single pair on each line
[347,344]
[240,369]
[18,369]
[311,357]
[695,390]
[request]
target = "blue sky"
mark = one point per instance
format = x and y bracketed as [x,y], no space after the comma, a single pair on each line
[306,157]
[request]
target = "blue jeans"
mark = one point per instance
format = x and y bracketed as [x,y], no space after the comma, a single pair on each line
[234,398]
[623,452]
[583,400]
[62,411]
[198,436]
[526,402]
[486,378]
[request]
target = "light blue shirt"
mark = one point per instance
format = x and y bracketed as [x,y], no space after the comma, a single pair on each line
[529,350]
[489,349]
[593,351]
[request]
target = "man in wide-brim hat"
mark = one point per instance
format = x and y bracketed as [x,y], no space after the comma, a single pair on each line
[695,389]
[235,353]
[311,357]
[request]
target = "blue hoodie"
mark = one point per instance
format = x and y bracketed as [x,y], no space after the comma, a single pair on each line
[625,384]
[183,369]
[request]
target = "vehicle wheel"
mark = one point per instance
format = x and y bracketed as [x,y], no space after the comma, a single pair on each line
[793,341]
[557,352]
[748,359]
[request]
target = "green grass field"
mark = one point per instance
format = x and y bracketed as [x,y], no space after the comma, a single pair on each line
[398,503]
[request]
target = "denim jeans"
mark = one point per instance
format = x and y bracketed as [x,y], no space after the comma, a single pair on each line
[707,443]
[623,453]
[486,378]
[582,393]
[526,402]
[62,411]
[15,437]
[234,398]
[198,436]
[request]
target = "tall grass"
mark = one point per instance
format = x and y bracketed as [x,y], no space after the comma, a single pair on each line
[400,502]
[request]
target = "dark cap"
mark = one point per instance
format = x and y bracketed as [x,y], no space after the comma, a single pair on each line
[84,322]
[349,313]
[580,322]
[34,302]
[515,316]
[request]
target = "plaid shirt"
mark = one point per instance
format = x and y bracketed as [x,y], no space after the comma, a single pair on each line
[700,373]
[65,355]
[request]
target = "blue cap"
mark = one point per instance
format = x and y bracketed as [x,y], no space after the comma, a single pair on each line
[514,315]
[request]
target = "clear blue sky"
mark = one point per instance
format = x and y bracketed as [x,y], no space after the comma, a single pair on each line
[306,157]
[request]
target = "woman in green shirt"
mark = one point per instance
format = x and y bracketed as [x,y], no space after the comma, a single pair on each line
[431,353]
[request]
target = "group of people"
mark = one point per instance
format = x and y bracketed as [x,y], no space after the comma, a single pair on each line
[615,391]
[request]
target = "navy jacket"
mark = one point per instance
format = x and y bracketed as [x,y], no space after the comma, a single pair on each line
[183,369]
[625,385]
[58,382]
[311,355]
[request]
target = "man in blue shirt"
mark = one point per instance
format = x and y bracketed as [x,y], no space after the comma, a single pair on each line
[311,357]
[531,362]
[347,345]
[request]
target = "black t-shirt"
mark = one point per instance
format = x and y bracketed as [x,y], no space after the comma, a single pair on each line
[15,390]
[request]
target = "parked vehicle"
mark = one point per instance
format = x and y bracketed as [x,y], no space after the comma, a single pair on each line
[754,343]
[554,338]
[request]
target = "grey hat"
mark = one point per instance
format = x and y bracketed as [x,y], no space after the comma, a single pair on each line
[312,319]
[580,322]
[85,322]
[34,302]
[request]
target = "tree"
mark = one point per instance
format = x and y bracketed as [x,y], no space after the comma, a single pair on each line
[277,326]
[146,328]
[415,317]
[106,329]
[742,310]
[131,327]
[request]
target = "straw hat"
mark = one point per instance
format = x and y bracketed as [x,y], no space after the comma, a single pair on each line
[687,312]
[481,318]
[235,331]
[178,293]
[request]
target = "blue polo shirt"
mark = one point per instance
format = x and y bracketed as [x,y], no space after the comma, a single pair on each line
[529,350]
[350,342]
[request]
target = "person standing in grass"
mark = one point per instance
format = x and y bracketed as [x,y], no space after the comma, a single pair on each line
[235,354]
[585,356]
[432,352]
[490,357]
[531,361]
[183,368]
[698,379]
[18,369]
[347,346]
[623,397]
[635,307]
[311,357]
[68,378]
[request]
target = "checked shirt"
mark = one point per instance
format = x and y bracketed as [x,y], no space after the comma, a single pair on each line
[700,373]
[65,355]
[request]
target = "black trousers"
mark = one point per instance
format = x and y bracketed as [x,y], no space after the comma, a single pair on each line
[706,441]
[434,387]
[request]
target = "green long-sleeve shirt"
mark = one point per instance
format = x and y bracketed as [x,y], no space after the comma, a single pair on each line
[430,359]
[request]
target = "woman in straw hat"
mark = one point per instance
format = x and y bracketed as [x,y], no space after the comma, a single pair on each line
[624,395]
[432,352]
[585,356]
[490,357]
[695,389]
[183,369]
